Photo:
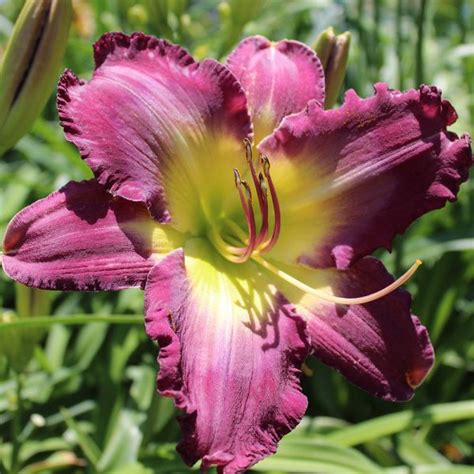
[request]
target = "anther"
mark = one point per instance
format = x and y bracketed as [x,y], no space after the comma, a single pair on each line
[265,164]
[245,194]
[237,178]
[263,185]
[269,244]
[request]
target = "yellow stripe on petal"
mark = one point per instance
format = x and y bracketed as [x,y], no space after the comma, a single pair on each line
[237,291]
[160,238]
[306,213]
[199,181]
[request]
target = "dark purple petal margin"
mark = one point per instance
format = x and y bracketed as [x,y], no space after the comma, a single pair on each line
[147,100]
[384,161]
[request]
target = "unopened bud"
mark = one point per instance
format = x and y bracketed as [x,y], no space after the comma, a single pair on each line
[30,65]
[333,51]
[324,44]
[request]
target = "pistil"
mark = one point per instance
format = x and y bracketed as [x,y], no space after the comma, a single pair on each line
[338,299]
[254,247]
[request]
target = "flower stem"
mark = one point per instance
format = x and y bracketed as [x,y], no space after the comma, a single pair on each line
[396,422]
[75,319]
[399,44]
[419,52]
[16,422]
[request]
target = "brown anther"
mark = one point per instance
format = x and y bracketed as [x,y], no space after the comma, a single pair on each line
[265,164]
[248,149]
[237,178]
[248,191]
[263,184]
[270,243]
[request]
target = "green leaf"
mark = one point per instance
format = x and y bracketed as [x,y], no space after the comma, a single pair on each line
[396,422]
[431,248]
[122,447]
[143,385]
[90,340]
[135,468]
[78,319]
[304,454]
[32,448]
[89,448]
[415,451]
[430,469]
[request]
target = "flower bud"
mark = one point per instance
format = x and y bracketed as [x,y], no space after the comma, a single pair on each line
[323,45]
[333,51]
[30,65]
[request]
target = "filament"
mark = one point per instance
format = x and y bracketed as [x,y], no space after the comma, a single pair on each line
[338,299]
[254,243]
[246,201]
[267,246]
[261,194]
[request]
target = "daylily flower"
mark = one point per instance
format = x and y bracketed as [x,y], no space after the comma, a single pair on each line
[247,213]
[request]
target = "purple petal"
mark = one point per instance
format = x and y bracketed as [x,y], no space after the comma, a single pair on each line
[366,171]
[82,238]
[147,100]
[232,368]
[379,346]
[278,78]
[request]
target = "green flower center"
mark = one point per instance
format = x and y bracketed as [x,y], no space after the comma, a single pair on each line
[238,246]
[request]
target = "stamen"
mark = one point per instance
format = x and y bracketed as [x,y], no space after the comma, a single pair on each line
[338,299]
[264,228]
[269,244]
[261,195]
[246,201]
[230,252]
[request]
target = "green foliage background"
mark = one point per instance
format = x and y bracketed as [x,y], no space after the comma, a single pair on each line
[88,401]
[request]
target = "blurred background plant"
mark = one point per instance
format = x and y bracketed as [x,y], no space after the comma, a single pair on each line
[80,396]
